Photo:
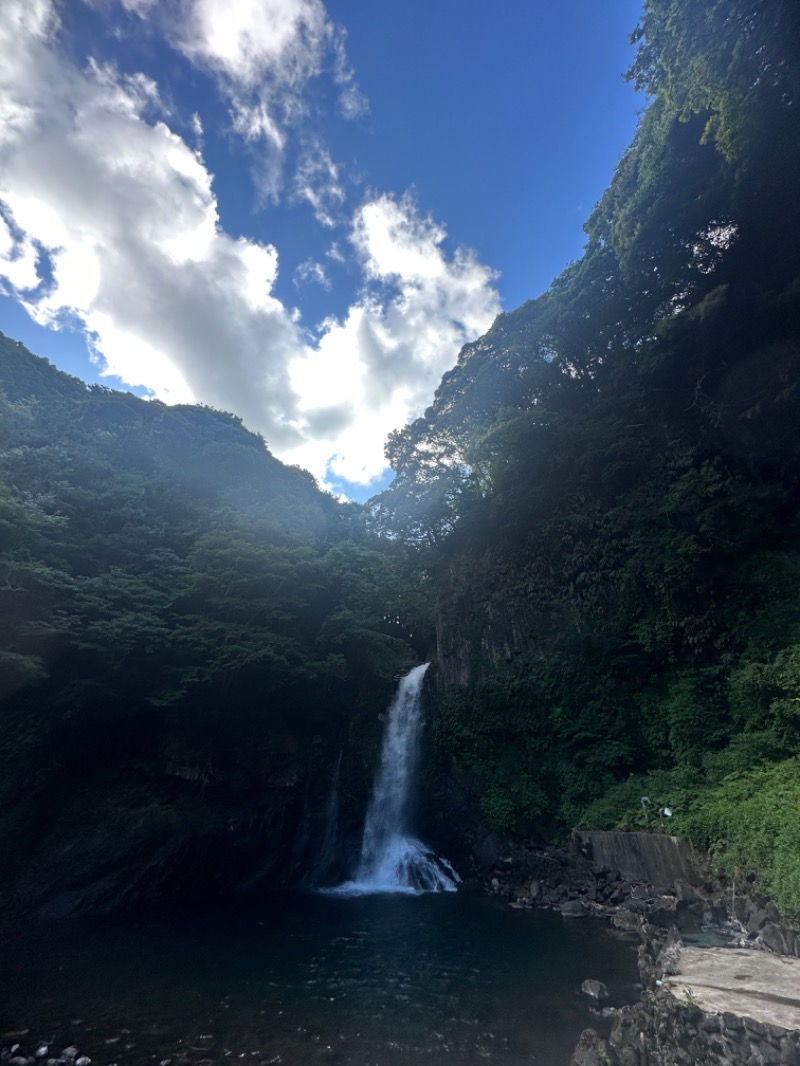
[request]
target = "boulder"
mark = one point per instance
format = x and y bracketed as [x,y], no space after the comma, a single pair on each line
[780,940]
[594,990]
[591,1051]
[574,908]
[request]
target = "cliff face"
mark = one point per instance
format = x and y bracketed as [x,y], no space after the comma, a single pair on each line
[203,803]
[476,632]
[196,824]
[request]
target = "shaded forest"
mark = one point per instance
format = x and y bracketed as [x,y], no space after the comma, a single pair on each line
[604,491]
[593,530]
[191,634]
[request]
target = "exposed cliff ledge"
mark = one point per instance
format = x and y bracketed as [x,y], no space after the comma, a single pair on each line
[473,636]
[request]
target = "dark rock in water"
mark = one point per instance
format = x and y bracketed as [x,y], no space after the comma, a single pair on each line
[594,989]
[574,909]
[70,1053]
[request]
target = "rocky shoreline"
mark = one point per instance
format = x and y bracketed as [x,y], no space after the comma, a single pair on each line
[689,900]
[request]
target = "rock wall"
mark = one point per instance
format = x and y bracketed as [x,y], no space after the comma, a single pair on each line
[484,619]
[663,1032]
[221,809]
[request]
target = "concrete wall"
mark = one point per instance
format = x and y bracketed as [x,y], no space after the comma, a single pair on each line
[655,857]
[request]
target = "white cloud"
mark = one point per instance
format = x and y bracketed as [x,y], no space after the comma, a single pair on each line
[318,184]
[255,122]
[120,215]
[139,7]
[251,41]
[127,216]
[263,55]
[311,270]
[384,359]
[18,259]
[352,102]
[265,52]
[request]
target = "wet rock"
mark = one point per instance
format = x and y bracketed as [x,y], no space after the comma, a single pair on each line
[780,940]
[669,958]
[487,850]
[591,1051]
[594,989]
[626,921]
[757,919]
[574,908]
[662,911]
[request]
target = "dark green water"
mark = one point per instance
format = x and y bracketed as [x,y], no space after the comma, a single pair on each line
[369,981]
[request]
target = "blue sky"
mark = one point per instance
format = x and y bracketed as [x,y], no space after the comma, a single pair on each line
[294,211]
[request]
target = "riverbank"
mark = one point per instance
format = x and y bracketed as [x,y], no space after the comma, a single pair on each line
[734,1001]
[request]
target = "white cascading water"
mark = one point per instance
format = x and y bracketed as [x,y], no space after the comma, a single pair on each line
[391,859]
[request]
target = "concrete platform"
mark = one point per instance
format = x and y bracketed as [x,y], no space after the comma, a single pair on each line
[753,984]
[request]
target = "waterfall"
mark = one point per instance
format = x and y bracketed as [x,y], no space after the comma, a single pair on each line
[328,862]
[392,860]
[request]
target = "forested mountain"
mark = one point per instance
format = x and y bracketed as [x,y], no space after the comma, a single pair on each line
[595,525]
[190,633]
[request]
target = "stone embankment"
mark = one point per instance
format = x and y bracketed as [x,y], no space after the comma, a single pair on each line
[688,1016]
[733,1005]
